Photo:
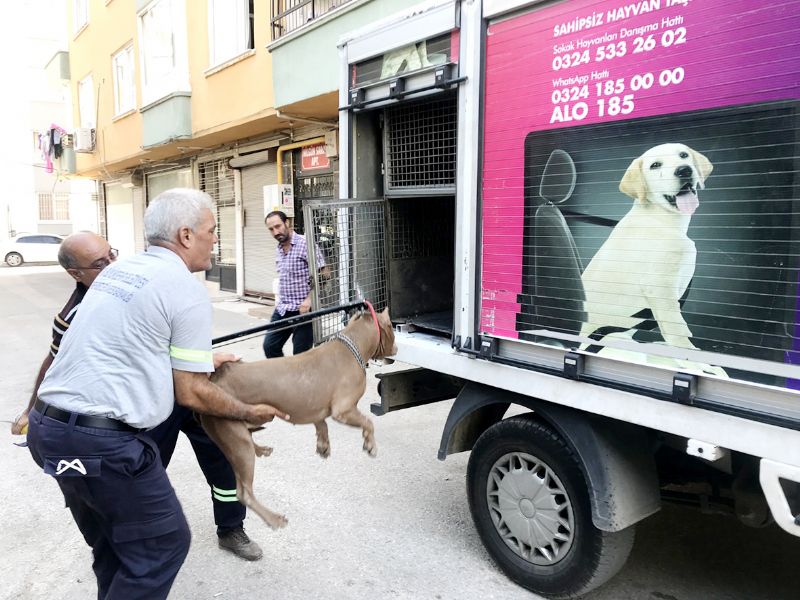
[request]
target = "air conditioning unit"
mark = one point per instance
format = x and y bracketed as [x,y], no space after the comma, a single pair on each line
[84,139]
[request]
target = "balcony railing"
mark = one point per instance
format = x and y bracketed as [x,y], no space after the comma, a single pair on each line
[289,15]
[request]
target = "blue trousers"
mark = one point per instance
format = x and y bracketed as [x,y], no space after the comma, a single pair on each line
[229,513]
[122,501]
[302,336]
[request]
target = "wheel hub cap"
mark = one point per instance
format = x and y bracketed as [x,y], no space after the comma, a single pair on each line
[527,508]
[530,508]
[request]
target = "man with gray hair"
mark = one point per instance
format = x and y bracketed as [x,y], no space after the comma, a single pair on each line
[84,255]
[141,341]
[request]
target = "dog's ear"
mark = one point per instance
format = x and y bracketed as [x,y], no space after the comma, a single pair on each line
[632,183]
[703,165]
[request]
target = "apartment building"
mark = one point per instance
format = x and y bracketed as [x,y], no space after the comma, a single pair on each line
[236,97]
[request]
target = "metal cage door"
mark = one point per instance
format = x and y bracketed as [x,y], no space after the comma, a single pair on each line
[351,236]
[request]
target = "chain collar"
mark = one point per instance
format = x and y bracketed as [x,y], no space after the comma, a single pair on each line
[341,337]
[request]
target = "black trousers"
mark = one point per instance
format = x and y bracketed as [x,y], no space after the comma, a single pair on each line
[302,336]
[122,501]
[229,513]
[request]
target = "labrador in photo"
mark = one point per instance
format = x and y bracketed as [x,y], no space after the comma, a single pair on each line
[642,271]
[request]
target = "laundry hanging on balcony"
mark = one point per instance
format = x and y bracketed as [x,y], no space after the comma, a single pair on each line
[51,145]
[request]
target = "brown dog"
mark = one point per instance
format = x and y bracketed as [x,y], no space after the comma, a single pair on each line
[328,380]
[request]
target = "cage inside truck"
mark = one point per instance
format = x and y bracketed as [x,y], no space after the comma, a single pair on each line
[583,216]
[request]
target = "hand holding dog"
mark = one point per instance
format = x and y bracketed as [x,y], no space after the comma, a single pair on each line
[220,358]
[264,413]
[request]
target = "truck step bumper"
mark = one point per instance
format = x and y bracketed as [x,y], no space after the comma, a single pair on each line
[786,515]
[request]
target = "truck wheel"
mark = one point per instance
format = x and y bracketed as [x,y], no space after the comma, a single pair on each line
[530,503]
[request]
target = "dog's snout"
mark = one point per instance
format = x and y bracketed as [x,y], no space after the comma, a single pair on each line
[684,172]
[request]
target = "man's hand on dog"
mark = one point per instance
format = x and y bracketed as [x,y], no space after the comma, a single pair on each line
[220,358]
[263,413]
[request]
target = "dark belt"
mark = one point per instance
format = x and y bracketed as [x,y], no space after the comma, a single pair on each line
[82,420]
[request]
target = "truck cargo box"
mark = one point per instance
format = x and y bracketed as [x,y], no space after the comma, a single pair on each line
[586,209]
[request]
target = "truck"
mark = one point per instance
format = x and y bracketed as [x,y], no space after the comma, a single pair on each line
[583,216]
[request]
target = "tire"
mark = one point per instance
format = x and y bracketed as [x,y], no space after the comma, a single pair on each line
[524,468]
[14,259]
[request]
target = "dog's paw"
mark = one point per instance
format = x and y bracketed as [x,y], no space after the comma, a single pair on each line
[370,448]
[324,452]
[262,450]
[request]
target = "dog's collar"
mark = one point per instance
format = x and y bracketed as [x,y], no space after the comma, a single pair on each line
[341,337]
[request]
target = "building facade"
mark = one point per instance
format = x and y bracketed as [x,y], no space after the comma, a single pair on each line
[236,97]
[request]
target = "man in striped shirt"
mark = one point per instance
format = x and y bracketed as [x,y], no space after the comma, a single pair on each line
[294,286]
[83,256]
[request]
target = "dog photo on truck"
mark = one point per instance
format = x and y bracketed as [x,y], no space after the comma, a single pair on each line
[673,230]
[644,194]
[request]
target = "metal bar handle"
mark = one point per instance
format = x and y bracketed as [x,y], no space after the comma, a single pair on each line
[286,323]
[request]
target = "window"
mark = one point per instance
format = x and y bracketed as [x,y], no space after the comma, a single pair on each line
[124,85]
[289,15]
[80,14]
[159,43]
[400,61]
[53,207]
[86,107]
[165,64]
[39,239]
[230,29]
[161,182]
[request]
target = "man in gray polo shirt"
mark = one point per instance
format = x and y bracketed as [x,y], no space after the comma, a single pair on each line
[141,341]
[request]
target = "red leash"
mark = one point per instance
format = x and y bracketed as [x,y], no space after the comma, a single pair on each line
[374,318]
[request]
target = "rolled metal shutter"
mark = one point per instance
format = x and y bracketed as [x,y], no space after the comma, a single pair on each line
[259,246]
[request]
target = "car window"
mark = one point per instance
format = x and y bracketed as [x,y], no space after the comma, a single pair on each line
[39,239]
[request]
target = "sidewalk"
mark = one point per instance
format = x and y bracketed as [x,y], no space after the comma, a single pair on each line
[231,302]
[234,314]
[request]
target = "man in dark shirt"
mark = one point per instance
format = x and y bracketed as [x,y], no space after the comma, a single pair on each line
[83,256]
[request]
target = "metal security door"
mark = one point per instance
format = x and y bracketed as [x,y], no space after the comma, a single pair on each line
[420,147]
[260,247]
[216,179]
[314,176]
[351,236]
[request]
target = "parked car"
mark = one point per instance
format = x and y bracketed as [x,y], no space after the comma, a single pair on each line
[31,247]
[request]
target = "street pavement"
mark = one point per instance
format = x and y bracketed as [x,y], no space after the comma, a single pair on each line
[395,527]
